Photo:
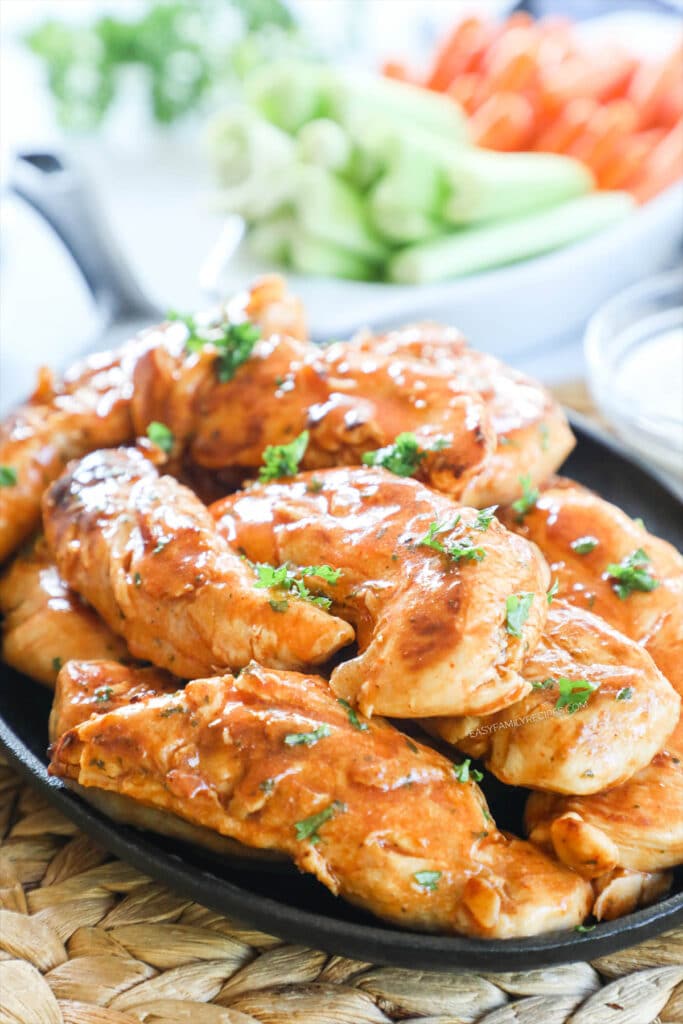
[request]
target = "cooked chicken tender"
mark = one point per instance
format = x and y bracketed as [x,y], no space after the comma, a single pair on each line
[91,408]
[145,553]
[445,601]
[582,535]
[86,688]
[598,712]
[273,760]
[638,825]
[533,436]
[349,403]
[44,622]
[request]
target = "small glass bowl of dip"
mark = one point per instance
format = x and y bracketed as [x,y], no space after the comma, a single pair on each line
[634,353]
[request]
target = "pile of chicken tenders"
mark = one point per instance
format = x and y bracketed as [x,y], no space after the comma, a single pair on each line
[268,579]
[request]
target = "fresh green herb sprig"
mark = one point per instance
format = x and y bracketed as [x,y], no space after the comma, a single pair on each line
[308,827]
[631,574]
[574,693]
[552,593]
[464,772]
[234,343]
[160,435]
[283,459]
[530,496]
[517,608]
[307,739]
[8,476]
[485,517]
[352,716]
[584,545]
[462,548]
[404,456]
[428,880]
[292,581]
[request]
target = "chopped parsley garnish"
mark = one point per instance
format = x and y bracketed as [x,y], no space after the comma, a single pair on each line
[283,459]
[137,579]
[56,664]
[174,709]
[543,684]
[161,436]
[638,521]
[314,485]
[292,581]
[8,476]
[428,880]
[103,694]
[307,739]
[574,693]
[463,548]
[584,928]
[530,496]
[582,545]
[485,517]
[308,828]
[552,593]
[279,606]
[160,545]
[234,342]
[625,693]
[412,746]
[517,608]
[464,773]
[352,716]
[267,786]
[404,456]
[631,574]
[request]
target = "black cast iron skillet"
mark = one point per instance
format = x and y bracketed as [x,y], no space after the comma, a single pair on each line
[295,907]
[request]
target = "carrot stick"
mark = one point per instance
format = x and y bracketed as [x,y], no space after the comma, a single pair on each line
[628,158]
[566,127]
[503,122]
[394,69]
[608,124]
[470,90]
[653,83]
[664,167]
[454,56]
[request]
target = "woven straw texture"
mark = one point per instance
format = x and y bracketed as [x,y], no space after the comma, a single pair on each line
[86,939]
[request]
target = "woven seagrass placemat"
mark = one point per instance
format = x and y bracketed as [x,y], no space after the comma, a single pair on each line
[86,939]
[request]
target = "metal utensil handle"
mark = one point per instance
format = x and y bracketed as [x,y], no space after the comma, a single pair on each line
[61,196]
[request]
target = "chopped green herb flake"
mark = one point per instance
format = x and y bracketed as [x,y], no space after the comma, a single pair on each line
[574,693]
[543,684]
[517,608]
[174,709]
[308,828]
[307,739]
[56,664]
[545,436]
[137,579]
[352,716]
[530,496]
[412,746]
[279,606]
[283,459]
[583,545]
[97,762]
[625,693]
[103,694]
[233,342]
[314,485]
[584,928]
[8,476]
[639,522]
[160,545]
[485,517]
[552,593]
[631,574]
[267,786]
[287,579]
[464,773]
[404,456]
[160,435]
[428,880]
[461,549]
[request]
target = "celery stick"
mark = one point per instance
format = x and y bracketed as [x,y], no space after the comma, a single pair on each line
[290,93]
[476,249]
[360,94]
[311,255]
[486,185]
[403,226]
[252,162]
[325,143]
[270,241]
[330,209]
[405,201]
